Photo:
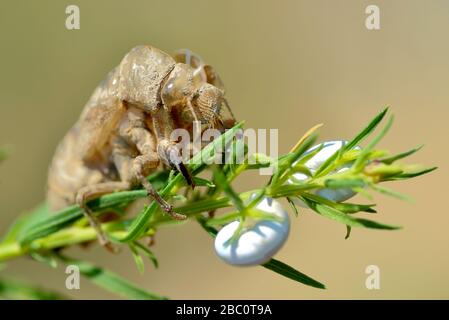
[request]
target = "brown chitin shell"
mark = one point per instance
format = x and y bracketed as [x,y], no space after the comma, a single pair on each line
[142,71]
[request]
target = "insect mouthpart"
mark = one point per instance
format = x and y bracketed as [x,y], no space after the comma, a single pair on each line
[176,163]
[185,173]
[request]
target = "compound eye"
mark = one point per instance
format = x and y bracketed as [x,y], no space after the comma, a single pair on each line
[168,93]
[208,102]
[169,88]
[177,87]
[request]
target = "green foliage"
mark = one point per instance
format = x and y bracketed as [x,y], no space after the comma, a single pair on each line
[111,281]
[13,289]
[291,273]
[3,154]
[40,235]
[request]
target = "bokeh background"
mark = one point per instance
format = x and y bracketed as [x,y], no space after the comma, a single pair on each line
[286,65]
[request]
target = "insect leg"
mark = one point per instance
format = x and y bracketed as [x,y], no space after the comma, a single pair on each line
[135,169]
[229,109]
[89,192]
[190,106]
[138,164]
[167,149]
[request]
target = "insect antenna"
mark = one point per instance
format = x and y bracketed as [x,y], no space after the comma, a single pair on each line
[229,108]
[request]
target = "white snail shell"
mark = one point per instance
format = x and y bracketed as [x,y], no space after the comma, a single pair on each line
[329,148]
[258,243]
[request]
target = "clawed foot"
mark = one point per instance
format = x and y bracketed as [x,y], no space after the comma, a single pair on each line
[168,209]
[164,205]
[95,224]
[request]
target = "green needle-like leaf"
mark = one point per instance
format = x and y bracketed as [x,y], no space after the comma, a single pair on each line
[13,289]
[334,214]
[48,259]
[392,193]
[137,258]
[344,183]
[223,183]
[51,223]
[365,132]
[223,219]
[409,175]
[148,253]
[358,165]
[291,273]
[402,155]
[285,165]
[345,207]
[200,182]
[293,205]
[112,282]
[354,142]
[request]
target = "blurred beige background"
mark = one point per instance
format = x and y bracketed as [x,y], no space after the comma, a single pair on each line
[286,65]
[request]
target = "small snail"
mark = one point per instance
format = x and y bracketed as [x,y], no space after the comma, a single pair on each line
[328,149]
[257,243]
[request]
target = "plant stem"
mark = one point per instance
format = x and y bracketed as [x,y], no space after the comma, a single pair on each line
[76,235]
[11,250]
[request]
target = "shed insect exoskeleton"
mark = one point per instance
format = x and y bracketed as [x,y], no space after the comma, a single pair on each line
[123,133]
[208,94]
